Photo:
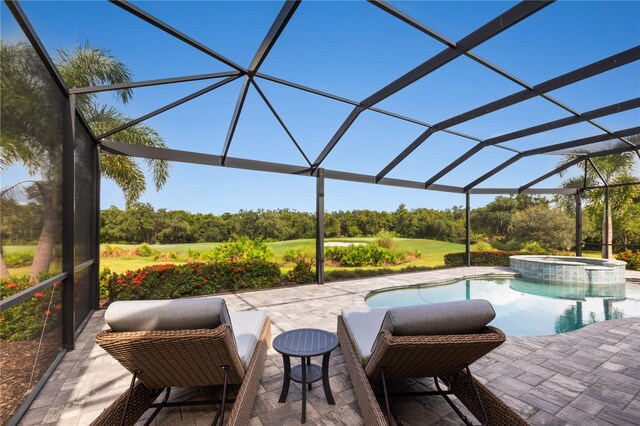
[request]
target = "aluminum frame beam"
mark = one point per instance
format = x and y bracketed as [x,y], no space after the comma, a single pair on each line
[550,125]
[167,154]
[491,29]
[433,34]
[327,95]
[281,21]
[147,17]
[168,106]
[556,147]
[146,83]
[566,79]
[277,116]
[574,162]
[235,118]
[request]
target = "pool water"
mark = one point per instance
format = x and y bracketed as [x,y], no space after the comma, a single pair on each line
[525,308]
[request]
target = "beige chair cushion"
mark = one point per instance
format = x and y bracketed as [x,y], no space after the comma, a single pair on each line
[459,317]
[247,326]
[363,325]
[175,314]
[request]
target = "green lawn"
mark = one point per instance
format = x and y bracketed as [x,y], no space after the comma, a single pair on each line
[432,252]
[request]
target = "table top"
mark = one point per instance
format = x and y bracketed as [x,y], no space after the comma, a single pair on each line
[305,342]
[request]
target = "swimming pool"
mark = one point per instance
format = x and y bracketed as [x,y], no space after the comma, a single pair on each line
[526,308]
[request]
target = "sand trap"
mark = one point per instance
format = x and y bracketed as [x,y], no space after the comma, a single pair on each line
[340,244]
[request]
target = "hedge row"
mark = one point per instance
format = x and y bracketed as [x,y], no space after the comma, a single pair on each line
[192,279]
[480,258]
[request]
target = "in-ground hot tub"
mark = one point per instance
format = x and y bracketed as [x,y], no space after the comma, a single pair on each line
[569,269]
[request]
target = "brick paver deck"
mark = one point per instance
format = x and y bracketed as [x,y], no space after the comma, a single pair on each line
[587,377]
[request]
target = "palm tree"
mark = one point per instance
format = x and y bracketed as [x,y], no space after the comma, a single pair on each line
[31,129]
[615,169]
[89,66]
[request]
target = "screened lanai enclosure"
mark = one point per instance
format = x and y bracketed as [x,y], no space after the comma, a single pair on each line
[51,155]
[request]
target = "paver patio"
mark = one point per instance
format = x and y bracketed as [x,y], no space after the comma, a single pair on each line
[590,376]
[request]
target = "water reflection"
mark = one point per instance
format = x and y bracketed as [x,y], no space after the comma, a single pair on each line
[527,308]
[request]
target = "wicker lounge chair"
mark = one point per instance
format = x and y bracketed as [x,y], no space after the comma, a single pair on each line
[185,343]
[439,341]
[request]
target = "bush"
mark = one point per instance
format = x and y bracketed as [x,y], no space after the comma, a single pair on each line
[26,320]
[385,238]
[18,259]
[534,247]
[295,255]
[505,245]
[241,249]
[363,255]
[301,273]
[480,258]
[631,257]
[193,279]
[348,274]
[111,251]
[145,250]
[168,256]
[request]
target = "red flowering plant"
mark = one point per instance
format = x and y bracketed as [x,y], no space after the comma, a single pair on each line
[191,279]
[27,319]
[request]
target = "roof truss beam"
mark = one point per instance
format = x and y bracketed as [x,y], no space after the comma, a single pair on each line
[574,162]
[281,21]
[147,17]
[579,74]
[556,147]
[430,32]
[491,29]
[147,83]
[149,152]
[168,107]
[551,125]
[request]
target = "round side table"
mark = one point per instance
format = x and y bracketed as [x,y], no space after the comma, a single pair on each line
[306,343]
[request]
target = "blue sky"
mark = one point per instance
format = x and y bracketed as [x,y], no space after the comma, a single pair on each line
[351,49]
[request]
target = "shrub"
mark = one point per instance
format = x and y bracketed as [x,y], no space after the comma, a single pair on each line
[534,247]
[483,246]
[631,257]
[363,255]
[194,254]
[18,259]
[302,272]
[295,255]
[111,251]
[193,279]
[168,255]
[480,258]
[25,321]
[347,274]
[241,249]
[385,238]
[505,245]
[145,250]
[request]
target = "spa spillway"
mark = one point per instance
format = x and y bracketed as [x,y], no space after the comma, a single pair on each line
[569,269]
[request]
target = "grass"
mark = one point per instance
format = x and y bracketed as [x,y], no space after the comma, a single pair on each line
[432,253]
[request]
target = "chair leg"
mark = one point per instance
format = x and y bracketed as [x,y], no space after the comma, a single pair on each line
[220,413]
[390,416]
[464,418]
[160,407]
[126,404]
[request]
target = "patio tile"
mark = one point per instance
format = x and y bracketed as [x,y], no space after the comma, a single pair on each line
[590,376]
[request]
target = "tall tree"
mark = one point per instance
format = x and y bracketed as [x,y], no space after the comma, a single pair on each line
[32,127]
